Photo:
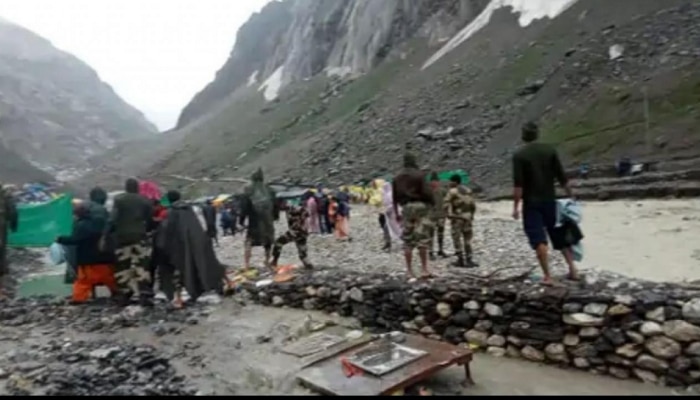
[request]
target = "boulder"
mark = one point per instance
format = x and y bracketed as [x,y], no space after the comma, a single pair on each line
[663,347]
[582,363]
[444,310]
[493,310]
[589,332]
[556,352]
[496,351]
[629,350]
[691,311]
[650,363]
[693,349]
[581,319]
[596,309]
[478,338]
[657,315]
[619,309]
[532,354]
[472,305]
[645,376]
[496,341]
[571,340]
[682,331]
[651,329]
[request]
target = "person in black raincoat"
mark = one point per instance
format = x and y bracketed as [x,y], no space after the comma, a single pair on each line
[190,258]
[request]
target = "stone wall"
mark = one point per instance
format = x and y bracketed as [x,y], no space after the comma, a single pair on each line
[644,331]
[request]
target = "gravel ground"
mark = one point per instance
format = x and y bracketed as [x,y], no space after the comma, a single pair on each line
[624,240]
[498,243]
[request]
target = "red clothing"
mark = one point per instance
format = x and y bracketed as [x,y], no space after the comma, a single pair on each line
[160,213]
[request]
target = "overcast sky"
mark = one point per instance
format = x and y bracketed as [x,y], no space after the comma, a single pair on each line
[155,53]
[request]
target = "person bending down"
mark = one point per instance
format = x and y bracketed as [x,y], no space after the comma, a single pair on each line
[297,233]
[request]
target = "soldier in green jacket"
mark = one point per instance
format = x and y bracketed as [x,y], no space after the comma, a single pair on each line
[460,207]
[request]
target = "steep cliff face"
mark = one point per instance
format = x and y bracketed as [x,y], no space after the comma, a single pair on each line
[54,109]
[296,39]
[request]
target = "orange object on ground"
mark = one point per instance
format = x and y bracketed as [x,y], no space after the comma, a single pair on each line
[348,369]
[284,273]
[90,276]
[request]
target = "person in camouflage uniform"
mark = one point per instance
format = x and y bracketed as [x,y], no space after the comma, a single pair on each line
[412,193]
[297,233]
[460,207]
[131,223]
[438,217]
[8,222]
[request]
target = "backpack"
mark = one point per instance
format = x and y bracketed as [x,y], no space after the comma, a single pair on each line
[261,201]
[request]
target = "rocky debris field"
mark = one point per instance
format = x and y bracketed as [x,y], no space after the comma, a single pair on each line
[67,368]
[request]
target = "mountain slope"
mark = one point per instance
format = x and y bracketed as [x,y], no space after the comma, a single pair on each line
[54,109]
[295,39]
[583,69]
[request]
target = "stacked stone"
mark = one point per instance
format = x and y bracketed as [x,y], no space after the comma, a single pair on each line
[651,333]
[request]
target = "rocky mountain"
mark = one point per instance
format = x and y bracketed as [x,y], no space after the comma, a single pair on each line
[333,91]
[54,110]
[295,39]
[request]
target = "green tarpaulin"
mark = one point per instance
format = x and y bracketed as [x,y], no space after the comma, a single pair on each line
[40,224]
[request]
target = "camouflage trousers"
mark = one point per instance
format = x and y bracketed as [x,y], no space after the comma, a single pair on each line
[437,227]
[132,268]
[461,230]
[299,239]
[417,226]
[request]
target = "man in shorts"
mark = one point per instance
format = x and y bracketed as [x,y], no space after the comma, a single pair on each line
[413,194]
[536,167]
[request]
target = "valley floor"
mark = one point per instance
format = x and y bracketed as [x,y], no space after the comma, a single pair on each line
[652,240]
[232,347]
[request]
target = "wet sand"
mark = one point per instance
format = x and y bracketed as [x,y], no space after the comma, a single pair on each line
[656,240]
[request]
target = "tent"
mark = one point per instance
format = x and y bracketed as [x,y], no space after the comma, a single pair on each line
[40,224]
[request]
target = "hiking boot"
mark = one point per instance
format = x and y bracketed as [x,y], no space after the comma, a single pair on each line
[308,266]
[442,254]
[459,263]
[122,300]
[470,263]
[146,301]
[432,256]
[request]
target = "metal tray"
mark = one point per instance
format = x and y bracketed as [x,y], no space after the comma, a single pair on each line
[381,358]
[313,344]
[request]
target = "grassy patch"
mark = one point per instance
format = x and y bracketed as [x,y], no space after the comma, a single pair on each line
[617,116]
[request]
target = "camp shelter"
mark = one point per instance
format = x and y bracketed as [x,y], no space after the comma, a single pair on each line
[40,224]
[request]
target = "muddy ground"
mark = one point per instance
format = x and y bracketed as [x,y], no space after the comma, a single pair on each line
[229,346]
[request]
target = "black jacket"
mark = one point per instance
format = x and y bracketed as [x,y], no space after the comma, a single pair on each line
[86,235]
